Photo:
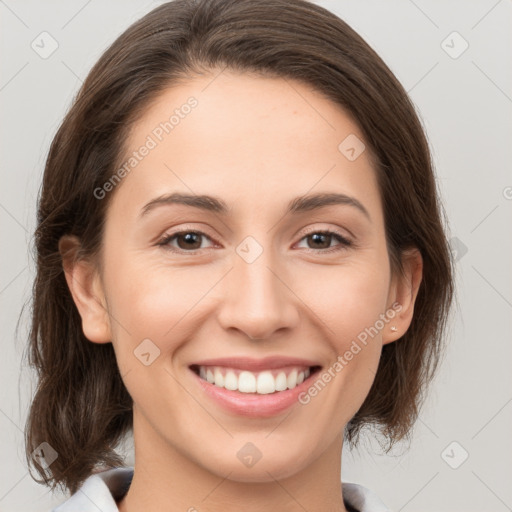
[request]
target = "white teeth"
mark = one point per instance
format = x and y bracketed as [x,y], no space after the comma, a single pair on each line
[219,378]
[292,379]
[263,383]
[246,382]
[231,381]
[281,382]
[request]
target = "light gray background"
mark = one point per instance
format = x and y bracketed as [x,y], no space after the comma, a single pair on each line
[466,106]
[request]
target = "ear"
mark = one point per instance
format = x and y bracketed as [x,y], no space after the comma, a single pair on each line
[86,288]
[402,294]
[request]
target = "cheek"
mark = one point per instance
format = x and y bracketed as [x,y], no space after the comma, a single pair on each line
[152,300]
[348,299]
[148,302]
[348,302]
[338,391]
[152,316]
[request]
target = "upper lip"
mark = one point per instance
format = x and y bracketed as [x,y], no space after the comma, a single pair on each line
[253,364]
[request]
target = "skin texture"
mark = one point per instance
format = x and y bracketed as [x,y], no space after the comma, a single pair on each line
[257,143]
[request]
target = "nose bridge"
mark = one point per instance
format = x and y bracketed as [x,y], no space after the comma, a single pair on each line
[257,301]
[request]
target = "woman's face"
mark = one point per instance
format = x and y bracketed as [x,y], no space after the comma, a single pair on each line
[247,289]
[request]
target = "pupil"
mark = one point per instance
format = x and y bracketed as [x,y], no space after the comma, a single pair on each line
[317,238]
[190,238]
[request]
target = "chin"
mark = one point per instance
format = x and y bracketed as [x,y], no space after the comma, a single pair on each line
[263,470]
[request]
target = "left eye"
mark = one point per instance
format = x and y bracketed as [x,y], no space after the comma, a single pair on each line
[187,240]
[190,241]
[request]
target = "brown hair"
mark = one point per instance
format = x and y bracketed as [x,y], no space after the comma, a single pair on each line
[81,407]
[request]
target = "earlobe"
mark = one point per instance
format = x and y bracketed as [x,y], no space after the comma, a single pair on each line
[402,296]
[86,289]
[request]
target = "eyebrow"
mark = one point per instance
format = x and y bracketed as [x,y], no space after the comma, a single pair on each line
[217,205]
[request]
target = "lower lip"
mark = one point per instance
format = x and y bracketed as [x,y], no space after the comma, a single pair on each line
[252,404]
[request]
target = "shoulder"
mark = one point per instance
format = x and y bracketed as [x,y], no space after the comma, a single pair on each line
[99,492]
[362,499]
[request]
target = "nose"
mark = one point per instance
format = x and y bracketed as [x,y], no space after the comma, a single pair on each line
[258,300]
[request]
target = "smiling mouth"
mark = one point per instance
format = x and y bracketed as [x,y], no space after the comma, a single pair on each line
[261,383]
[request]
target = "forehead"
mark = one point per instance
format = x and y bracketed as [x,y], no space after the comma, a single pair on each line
[247,139]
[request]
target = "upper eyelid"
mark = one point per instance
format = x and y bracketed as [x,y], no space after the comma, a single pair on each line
[301,233]
[332,231]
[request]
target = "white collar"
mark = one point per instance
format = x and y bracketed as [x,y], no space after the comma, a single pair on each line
[100,490]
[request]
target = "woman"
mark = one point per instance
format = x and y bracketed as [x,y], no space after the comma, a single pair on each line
[241,260]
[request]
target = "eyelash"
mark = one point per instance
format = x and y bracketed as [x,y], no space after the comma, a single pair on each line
[344,242]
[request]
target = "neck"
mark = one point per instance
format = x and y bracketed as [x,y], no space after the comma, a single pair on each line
[166,480]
